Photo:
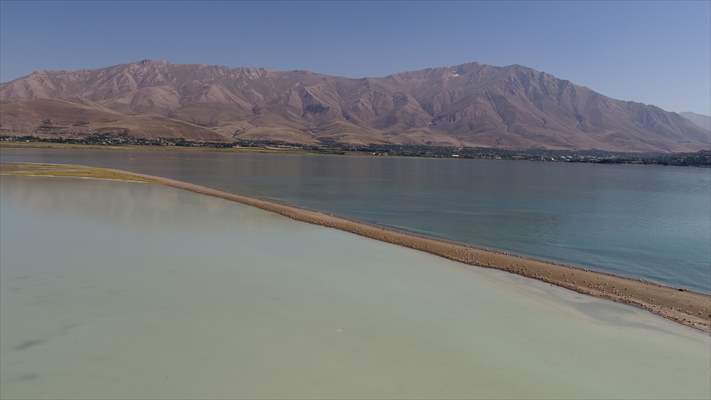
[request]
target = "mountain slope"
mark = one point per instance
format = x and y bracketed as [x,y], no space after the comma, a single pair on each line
[466,105]
[75,119]
[703,121]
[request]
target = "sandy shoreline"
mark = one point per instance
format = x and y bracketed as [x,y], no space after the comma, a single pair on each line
[679,305]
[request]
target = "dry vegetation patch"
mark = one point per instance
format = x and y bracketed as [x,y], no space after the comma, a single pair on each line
[68,170]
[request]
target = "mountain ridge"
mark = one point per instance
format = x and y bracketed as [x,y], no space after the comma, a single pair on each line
[470,104]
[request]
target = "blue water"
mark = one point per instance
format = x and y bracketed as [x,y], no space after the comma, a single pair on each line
[649,222]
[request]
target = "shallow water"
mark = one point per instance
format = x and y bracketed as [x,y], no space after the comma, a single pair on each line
[121,290]
[648,222]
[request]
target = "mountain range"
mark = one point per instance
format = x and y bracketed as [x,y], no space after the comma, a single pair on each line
[471,104]
[703,121]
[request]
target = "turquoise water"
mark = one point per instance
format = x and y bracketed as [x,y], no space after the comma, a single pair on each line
[649,222]
[115,290]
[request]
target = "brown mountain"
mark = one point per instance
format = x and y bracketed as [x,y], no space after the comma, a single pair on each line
[465,105]
[703,121]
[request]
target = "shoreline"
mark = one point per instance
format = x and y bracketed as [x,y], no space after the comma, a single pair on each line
[683,306]
[296,150]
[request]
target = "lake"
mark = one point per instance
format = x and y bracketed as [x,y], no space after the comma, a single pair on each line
[128,290]
[649,222]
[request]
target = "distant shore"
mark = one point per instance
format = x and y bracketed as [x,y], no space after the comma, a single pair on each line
[683,306]
[698,159]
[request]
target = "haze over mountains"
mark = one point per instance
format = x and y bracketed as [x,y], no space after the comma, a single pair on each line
[465,105]
[703,121]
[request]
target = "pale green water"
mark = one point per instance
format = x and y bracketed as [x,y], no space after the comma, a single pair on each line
[118,290]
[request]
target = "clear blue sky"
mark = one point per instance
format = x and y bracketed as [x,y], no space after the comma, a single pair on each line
[653,52]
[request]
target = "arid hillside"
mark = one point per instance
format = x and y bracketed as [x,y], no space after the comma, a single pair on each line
[465,105]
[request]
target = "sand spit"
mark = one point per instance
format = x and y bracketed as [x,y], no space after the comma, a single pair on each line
[680,305]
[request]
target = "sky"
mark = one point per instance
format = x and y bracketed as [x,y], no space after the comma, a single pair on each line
[653,52]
